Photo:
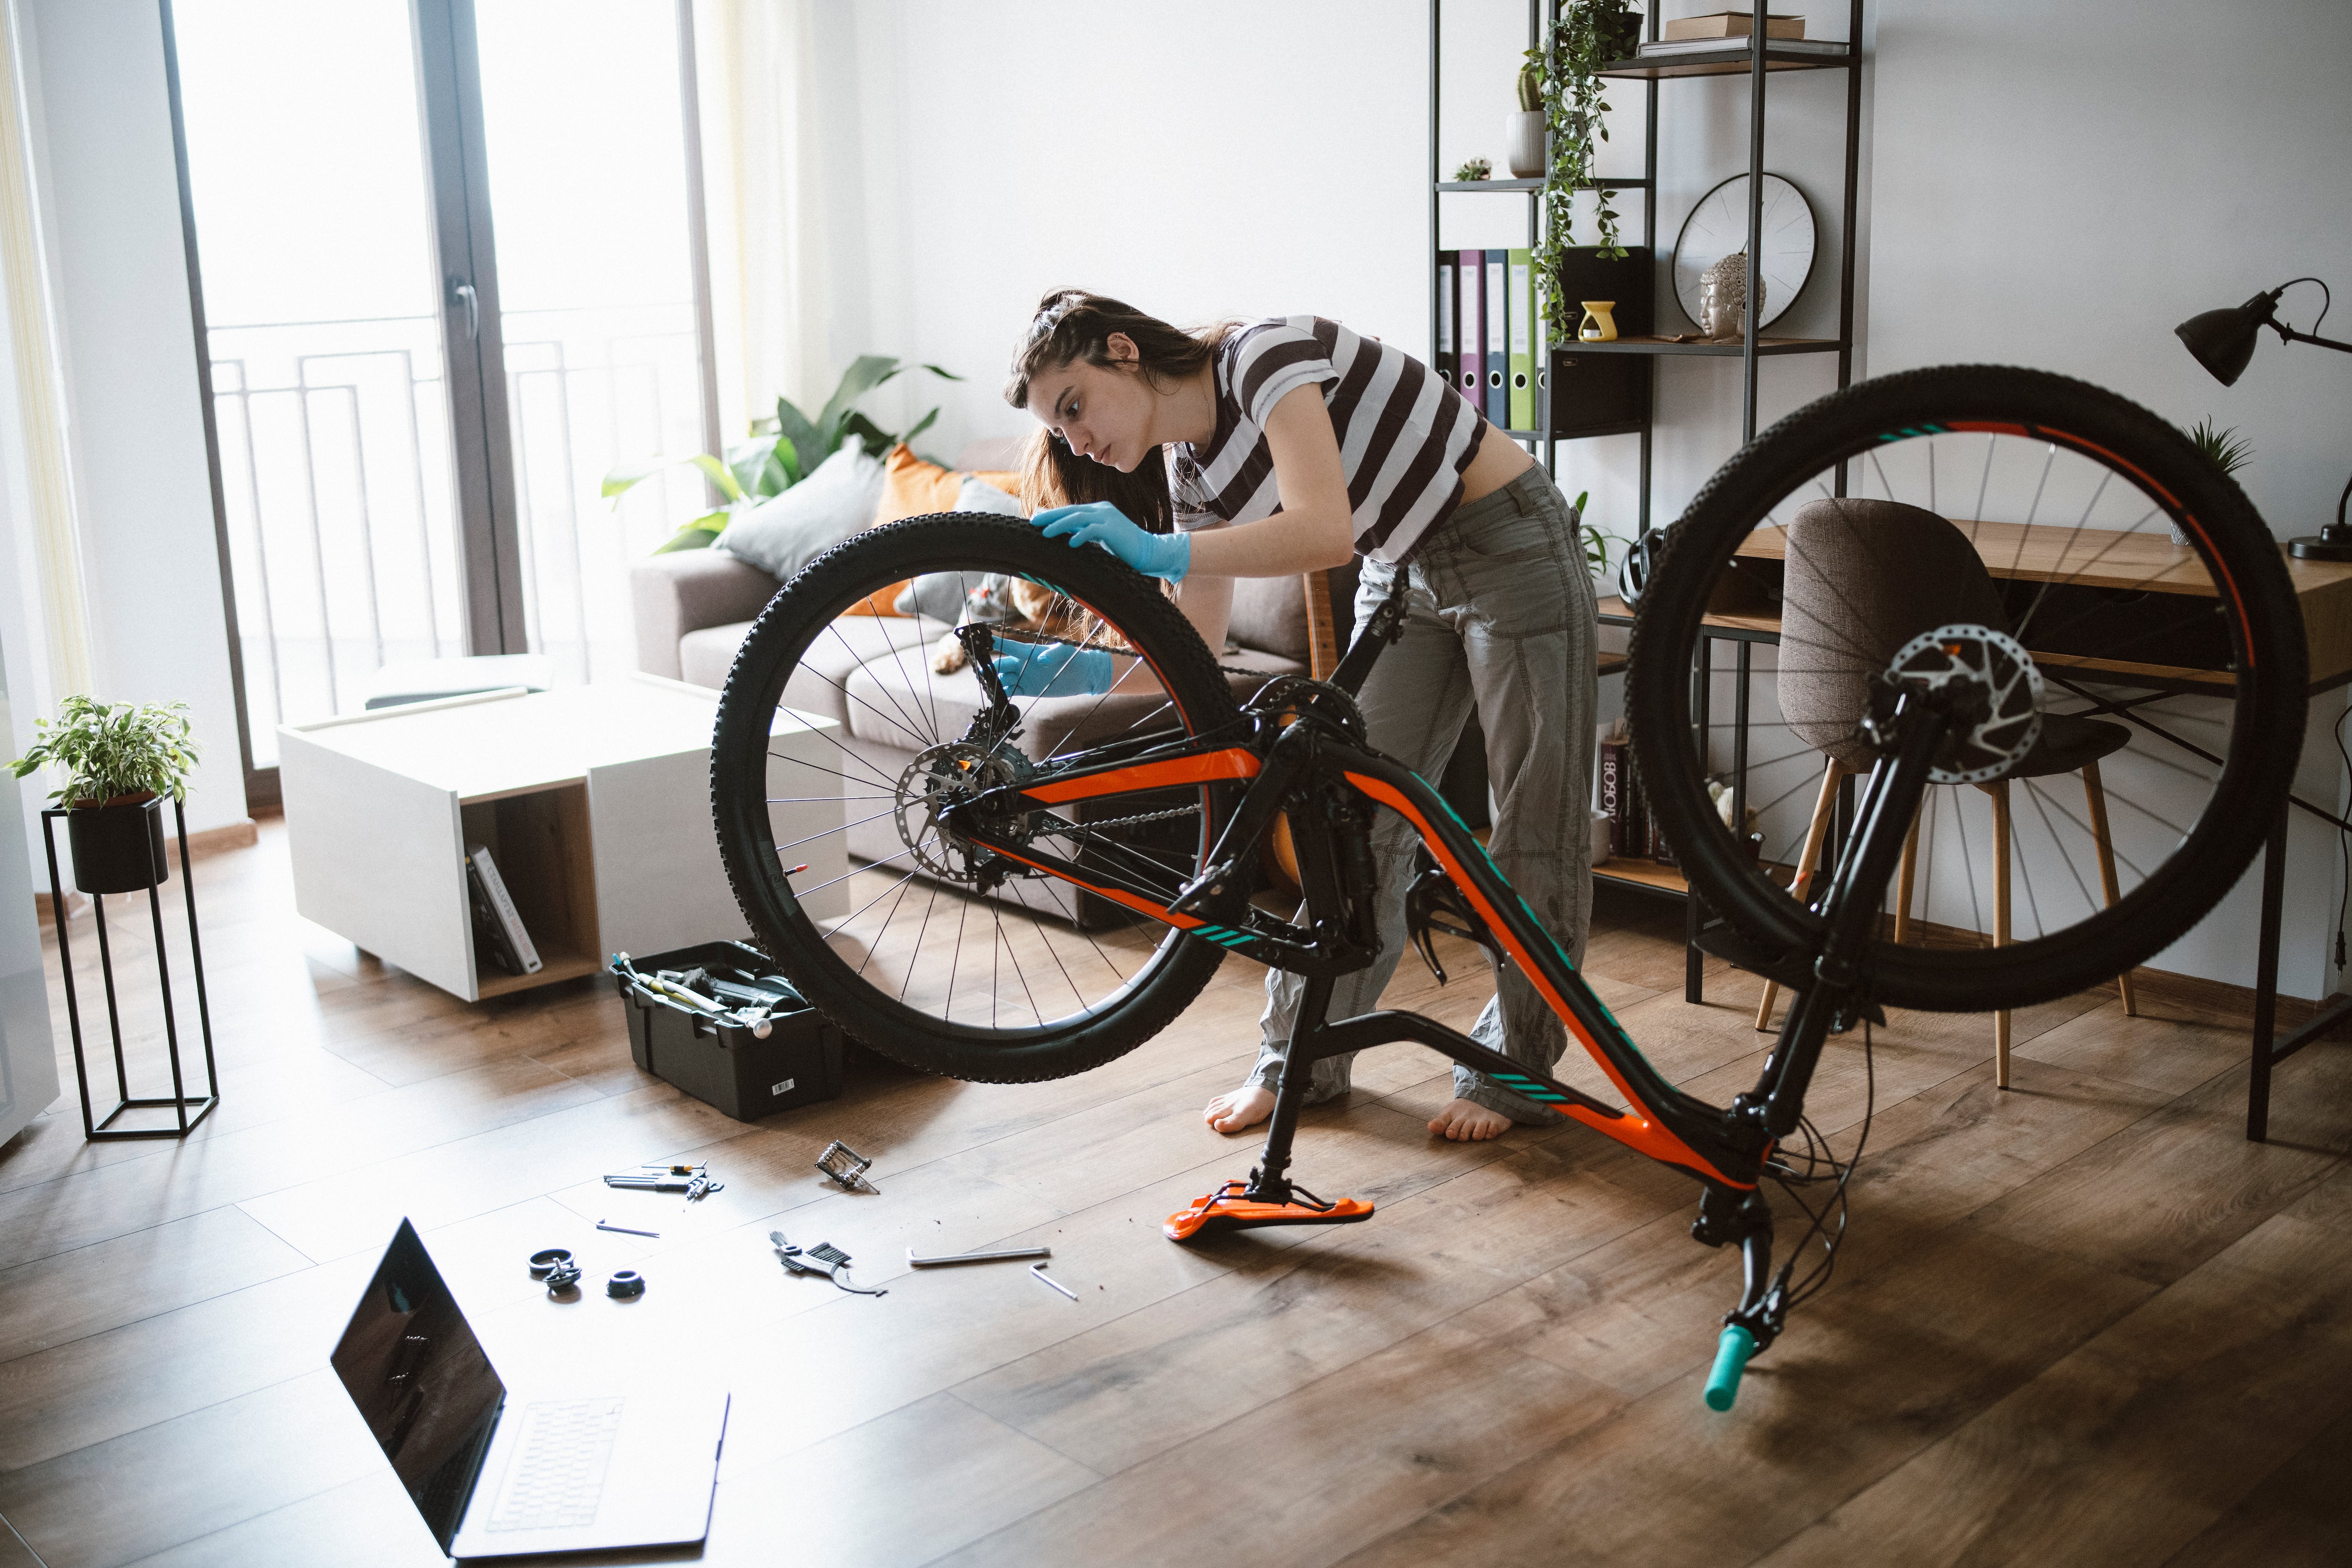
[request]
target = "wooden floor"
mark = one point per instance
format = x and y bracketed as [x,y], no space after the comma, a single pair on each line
[2080,1323]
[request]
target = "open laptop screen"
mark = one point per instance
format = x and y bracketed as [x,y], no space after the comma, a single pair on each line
[421,1381]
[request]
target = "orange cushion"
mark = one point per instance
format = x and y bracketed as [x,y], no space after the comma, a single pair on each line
[913,488]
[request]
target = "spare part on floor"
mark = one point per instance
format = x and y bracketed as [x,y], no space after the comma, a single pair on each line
[823,1259]
[1037,1272]
[625,1285]
[846,1167]
[915,1262]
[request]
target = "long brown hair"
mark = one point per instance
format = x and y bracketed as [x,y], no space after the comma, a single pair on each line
[1073,324]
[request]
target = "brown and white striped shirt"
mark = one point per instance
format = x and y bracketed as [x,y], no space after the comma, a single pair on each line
[1405,433]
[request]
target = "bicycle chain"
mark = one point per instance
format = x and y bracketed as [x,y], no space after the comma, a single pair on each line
[1083,828]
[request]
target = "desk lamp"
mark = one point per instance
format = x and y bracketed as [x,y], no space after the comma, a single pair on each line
[2223,342]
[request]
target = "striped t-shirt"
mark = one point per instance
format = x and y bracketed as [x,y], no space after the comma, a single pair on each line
[1405,435]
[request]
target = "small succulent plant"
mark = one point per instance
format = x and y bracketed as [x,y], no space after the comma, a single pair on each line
[1476,169]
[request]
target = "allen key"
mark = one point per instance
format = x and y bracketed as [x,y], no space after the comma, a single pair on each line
[915,1262]
[1037,1272]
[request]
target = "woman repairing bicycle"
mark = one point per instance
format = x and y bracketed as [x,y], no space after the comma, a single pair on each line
[1272,448]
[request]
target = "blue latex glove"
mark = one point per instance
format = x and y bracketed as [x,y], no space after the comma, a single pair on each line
[1054,669]
[1168,555]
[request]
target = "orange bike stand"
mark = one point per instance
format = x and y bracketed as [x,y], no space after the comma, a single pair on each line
[1231,1208]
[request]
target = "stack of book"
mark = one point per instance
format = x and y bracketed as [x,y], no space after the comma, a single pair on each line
[1632,832]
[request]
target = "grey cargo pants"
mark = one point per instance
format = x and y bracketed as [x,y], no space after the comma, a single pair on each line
[1501,618]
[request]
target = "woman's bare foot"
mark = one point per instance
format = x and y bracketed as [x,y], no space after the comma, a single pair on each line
[1245,1108]
[1467,1122]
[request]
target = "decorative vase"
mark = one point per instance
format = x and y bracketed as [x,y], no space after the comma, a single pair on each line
[1723,295]
[1523,141]
[118,845]
[1600,326]
[1599,835]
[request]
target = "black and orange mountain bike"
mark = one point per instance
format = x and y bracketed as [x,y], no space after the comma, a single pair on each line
[1030,887]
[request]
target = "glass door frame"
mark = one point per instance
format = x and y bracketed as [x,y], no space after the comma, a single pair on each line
[449,107]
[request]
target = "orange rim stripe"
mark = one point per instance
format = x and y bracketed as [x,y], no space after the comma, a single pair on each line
[1636,1130]
[1211,767]
[2132,468]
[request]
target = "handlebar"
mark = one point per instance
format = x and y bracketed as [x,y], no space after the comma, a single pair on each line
[1731,1354]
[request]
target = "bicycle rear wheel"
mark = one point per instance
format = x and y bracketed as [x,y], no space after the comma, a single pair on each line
[2047,507]
[839,741]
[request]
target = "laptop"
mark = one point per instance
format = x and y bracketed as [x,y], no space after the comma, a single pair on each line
[595,1465]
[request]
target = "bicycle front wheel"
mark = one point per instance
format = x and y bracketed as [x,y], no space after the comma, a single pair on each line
[2160,620]
[843,733]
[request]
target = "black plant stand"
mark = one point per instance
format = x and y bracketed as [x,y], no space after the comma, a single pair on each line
[179,1103]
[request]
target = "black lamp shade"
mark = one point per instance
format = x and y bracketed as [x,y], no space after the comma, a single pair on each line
[2222,340]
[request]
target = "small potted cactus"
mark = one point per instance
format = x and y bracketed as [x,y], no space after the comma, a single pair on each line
[121,761]
[1523,131]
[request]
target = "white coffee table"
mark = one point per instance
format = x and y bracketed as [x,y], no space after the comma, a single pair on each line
[595,800]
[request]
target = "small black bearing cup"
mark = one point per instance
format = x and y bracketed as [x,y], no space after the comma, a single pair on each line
[544,1263]
[627,1285]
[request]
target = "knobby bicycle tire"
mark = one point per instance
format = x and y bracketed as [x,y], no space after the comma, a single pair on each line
[1177,969]
[2255,601]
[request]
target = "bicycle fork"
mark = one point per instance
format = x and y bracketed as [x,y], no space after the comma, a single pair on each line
[1839,993]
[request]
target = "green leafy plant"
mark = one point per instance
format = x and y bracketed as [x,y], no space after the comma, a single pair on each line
[1476,169]
[112,749]
[1596,544]
[1589,34]
[781,451]
[2229,450]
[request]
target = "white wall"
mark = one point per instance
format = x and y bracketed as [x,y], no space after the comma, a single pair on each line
[110,213]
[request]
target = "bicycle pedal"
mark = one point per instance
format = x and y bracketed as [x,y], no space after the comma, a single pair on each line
[1229,1208]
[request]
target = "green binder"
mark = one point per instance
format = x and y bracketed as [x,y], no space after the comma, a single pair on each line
[1524,345]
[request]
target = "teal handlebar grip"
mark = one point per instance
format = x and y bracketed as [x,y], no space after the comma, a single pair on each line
[1731,1355]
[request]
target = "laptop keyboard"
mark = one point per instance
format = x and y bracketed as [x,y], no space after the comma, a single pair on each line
[557,1475]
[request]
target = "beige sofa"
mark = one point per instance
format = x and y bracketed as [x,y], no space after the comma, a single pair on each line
[693,608]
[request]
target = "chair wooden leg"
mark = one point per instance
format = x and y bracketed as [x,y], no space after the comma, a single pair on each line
[1831,776]
[2095,795]
[2000,794]
[1903,878]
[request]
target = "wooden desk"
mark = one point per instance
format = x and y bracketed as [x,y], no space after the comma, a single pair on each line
[2137,563]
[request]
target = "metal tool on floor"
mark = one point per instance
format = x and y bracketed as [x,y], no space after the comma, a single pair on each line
[555,1267]
[846,1167]
[1037,1272]
[628,1230]
[694,1181]
[916,1262]
[823,1259]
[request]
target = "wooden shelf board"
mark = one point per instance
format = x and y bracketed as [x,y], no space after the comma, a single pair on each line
[1451,188]
[1642,874]
[1734,59]
[1767,347]
[1613,663]
[554,967]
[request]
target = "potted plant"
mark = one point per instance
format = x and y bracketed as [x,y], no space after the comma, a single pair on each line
[2225,449]
[1589,35]
[121,759]
[1523,131]
[781,450]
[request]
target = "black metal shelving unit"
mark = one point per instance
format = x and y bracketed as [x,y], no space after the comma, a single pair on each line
[1757,59]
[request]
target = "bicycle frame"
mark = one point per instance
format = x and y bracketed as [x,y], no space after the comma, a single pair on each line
[1304,762]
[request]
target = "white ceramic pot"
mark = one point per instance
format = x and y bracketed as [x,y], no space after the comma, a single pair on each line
[1523,135]
[1600,836]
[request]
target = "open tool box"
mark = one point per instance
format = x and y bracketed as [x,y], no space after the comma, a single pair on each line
[717,1057]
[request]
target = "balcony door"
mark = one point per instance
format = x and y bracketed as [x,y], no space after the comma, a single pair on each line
[452,271]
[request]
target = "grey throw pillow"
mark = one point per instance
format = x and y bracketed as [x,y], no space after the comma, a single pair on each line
[782,534]
[959,597]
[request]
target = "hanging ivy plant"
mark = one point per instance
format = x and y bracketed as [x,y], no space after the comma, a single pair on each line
[1589,34]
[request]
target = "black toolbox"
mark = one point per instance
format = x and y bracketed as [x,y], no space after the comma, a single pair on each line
[718,1063]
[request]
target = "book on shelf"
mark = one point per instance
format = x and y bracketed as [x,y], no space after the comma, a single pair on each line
[496,919]
[1449,306]
[1523,339]
[1496,403]
[1669,48]
[1470,325]
[1730,24]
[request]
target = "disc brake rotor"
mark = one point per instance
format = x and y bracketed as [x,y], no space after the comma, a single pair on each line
[2003,721]
[948,776]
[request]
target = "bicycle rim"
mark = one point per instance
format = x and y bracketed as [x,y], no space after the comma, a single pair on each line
[841,736]
[2173,675]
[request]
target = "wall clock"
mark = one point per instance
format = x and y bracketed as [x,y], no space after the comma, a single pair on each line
[1718,226]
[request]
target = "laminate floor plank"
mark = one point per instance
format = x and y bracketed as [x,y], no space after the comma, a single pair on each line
[14,1552]
[2138,1442]
[131,1497]
[2080,1321]
[74,1211]
[70,1295]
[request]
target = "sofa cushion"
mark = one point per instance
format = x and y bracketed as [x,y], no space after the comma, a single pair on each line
[785,533]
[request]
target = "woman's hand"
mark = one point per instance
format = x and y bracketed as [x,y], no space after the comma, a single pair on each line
[1168,555]
[1054,669]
